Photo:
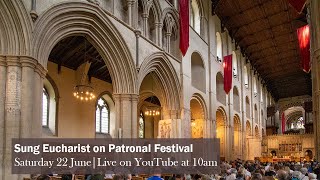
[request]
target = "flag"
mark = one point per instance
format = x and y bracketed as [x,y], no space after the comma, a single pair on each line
[227,66]
[304,47]
[184,25]
[298,5]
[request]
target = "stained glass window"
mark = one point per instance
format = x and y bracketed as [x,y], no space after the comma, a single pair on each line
[141,126]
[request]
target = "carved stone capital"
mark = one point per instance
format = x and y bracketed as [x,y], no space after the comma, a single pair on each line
[12,61]
[28,62]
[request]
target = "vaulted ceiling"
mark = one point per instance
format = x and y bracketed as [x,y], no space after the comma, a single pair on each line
[265,31]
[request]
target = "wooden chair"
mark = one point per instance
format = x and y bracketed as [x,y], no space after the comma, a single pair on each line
[26,179]
[137,178]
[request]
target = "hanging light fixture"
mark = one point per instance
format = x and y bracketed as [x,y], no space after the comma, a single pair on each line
[152,110]
[84,92]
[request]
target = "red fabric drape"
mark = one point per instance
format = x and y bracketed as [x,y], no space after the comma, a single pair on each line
[227,66]
[184,25]
[304,45]
[283,123]
[297,4]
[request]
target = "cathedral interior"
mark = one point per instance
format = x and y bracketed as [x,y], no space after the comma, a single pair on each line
[113,69]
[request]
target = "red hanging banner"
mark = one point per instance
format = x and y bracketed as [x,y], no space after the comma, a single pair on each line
[298,5]
[283,123]
[184,25]
[227,66]
[304,46]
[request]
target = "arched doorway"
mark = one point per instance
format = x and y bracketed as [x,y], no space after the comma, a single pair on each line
[197,117]
[150,109]
[81,75]
[221,131]
[237,137]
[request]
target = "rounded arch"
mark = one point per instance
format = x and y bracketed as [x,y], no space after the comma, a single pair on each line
[202,102]
[198,72]
[65,19]
[167,76]
[221,123]
[16,28]
[236,99]
[223,115]
[237,136]
[221,94]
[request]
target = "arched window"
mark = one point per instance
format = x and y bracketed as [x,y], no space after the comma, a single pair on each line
[234,65]
[141,125]
[102,117]
[195,16]
[246,77]
[255,89]
[219,47]
[45,108]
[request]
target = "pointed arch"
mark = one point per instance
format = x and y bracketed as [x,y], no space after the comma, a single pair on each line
[65,19]
[248,128]
[16,28]
[160,65]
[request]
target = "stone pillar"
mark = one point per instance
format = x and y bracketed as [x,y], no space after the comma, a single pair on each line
[13,111]
[315,58]
[186,123]
[126,115]
[145,25]
[168,36]
[27,99]
[158,27]
[3,77]
[130,4]
[134,115]
[21,84]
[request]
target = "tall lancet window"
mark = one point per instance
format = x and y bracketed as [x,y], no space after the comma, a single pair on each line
[102,117]
[45,108]
[141,125]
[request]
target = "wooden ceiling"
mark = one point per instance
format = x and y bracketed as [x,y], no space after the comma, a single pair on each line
[265,31]
[73,51]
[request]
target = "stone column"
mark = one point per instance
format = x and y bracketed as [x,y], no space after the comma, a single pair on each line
[168,36]
[13,111]
[130,4]
[134,115]
[126,114]
[27,99]
[186,123]
[315,58]
[145,24]
[158,27]
[3,73]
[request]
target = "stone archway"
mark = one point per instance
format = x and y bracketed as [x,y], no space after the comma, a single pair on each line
[198,116]
[221,132]
[237,137]
[94,24]
[167,80]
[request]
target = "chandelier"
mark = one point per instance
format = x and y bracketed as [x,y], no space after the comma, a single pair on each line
[152,111]
[83,92]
